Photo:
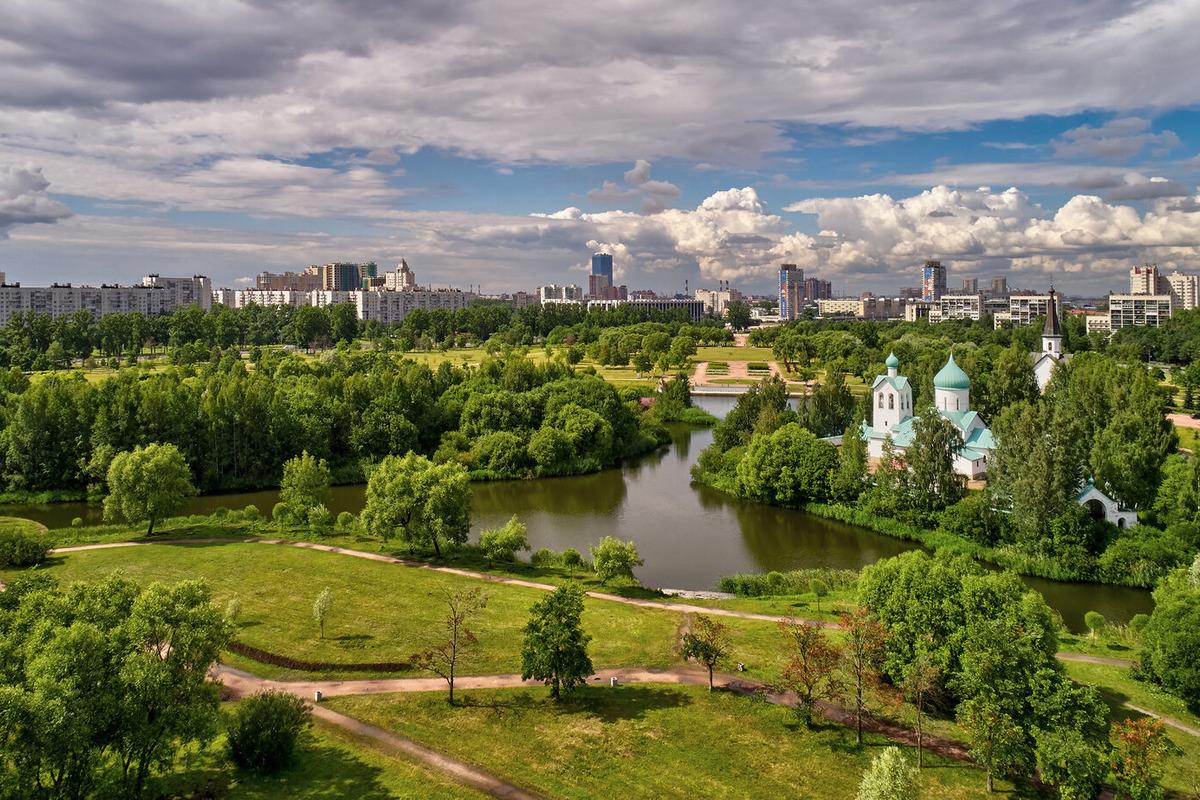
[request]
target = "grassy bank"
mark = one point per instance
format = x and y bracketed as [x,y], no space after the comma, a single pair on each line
[646,741]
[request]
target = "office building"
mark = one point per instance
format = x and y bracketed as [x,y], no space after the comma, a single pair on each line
[602,264]
[933,281]
[1150,310]
[915,310]
[346,277]
[1146,280]
[970,286]
[999,287]
[1184,290]
[791,291]
[693,308]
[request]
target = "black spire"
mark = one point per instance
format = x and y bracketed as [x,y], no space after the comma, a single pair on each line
[1052,327]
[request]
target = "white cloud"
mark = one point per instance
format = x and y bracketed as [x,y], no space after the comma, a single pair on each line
[655,195]
[24,199]
[1116,139]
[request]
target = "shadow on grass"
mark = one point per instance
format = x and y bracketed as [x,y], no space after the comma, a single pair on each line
[604,703]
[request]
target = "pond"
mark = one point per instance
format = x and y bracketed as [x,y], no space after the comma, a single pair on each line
[689,535]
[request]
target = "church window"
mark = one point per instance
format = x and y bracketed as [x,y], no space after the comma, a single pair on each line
[891,401]
[881,399]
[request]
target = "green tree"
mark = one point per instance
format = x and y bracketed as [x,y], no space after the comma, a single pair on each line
[849,480]
[829,408]
[263,730]
[788,467]
[305,484]
[1095,622]
[146,484]
[1171,637]
[1011,380]
[1140,748]
[932,482]
[890,777]
[705,641]
[612,559]
[554,650]
[321,608]
[995,738]
[1069,761]
[501,544]
[423,503]
[738,315]
[1128,455]
[444,656]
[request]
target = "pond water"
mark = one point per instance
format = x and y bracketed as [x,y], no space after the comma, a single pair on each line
[689,535]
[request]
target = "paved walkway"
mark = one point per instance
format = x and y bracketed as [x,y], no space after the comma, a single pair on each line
[1183,420]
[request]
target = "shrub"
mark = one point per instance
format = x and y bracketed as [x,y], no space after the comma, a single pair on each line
[220,513]
[796,581]
[233,609]
[613,558]
[250,513]
[1095,622]
[1138,623]
[281,513]
[543,557]
[264,728]
[571,558]
[319,516]
[345,521]
[21,550]
[502,544]
[890,777]
[77,522]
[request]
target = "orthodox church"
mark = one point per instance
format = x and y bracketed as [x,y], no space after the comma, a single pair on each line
[1052,347]
[892,416]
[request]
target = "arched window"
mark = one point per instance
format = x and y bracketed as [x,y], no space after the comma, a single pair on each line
[881,399]
[956,408]
[891,401]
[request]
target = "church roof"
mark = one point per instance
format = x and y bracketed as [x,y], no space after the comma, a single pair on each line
[1052,327]
[951,376]
[899,383]
[892,362]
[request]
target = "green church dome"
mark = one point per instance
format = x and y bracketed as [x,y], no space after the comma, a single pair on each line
[892,362]
[951,376]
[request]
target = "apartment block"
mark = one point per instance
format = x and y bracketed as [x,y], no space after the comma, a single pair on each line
[1150,310]
[957,306]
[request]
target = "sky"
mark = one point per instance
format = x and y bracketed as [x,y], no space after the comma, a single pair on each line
[500,143]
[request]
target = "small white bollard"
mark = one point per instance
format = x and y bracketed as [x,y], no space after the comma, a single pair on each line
[317,696]
[612,682]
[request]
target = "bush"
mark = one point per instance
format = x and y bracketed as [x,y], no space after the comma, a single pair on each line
[21,550]
[233,609]
[264,728]
[319,517]
[613,558]
[502,544]
[571,558]
[282,513]
[798,581]
[543,557]
[250,513]
[77,522]
[1138,623]
[1142,555]
[1095,622]
[345,521]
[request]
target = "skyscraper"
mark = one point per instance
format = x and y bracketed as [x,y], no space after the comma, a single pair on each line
[970,286]
[999,287]
[602,265]
[1146,280]
[933,281]
[791,291]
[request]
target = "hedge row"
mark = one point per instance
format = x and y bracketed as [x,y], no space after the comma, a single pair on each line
[287,662]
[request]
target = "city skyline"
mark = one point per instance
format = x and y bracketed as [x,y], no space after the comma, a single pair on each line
[693,144]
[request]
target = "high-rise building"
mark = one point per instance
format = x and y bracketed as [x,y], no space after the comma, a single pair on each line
[970,286]
[999,287]
[1149,310]
[401,279]
[816,289]
[1146,280]
[305,281]
[346,277]
[933,281]
[1185,290]
[791,291]
[602,264]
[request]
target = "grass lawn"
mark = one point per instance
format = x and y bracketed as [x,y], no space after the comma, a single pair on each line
[331,763]
[645,741]
[386,613]
[1188,439]
[731,353]
[1118,687]
[20,525]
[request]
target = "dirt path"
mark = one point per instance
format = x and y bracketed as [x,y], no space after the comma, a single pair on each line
[241,683]
[1183,420]
[1174,723]
[683,608]
[1084,658]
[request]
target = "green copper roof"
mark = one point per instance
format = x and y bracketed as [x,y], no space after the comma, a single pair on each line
[951,376]
[892,362]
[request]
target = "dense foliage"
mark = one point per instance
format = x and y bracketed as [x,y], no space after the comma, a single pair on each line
[1171,638]
[264,728]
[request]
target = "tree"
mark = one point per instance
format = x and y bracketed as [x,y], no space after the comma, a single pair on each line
[305,484]
[995,738]
[146,484]
[502,544]
[862,655]
[1070,762]
[890,777]
[1011,380]
[443,658]
[1128,455]
[850,478]
[1171,637]
[819,589]
[706,641]
[789,467]
[612,558]
[932,482]
[263,730]
[811,667]
[423,503]
[1139,749]
[554,650]
[321,607]
[1095,622]
[830,406]
[920,681]
[643,363]
[738,315]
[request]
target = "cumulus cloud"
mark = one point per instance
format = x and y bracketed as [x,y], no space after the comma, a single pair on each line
[655,195]
[1116,139]
[24,199]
